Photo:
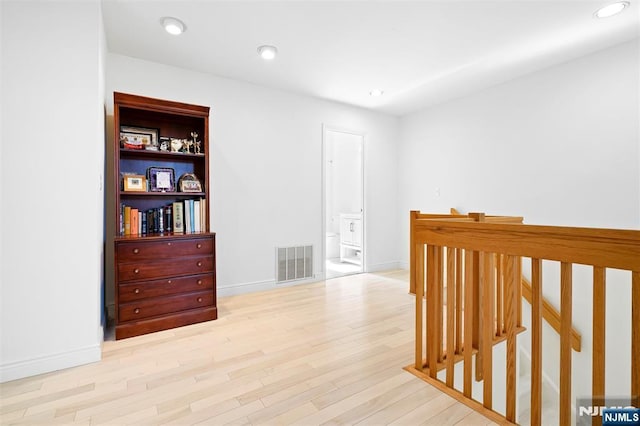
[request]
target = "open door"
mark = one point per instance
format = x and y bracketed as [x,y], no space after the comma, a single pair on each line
[343,202]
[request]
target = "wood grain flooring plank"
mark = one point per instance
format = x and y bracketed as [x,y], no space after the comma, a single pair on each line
[330,351]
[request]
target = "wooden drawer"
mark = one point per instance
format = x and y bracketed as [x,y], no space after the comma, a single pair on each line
[168,268]
[168,286]
[133,251]
[163,305]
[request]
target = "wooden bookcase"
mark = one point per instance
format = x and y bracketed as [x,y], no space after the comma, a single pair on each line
[163,278]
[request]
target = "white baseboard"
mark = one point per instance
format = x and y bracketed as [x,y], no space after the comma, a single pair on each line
[403,265]
[31,367]
[251,287]
[387,266]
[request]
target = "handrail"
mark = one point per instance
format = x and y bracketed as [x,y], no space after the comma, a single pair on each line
[482,260]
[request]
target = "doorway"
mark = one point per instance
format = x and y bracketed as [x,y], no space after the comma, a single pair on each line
[343,166]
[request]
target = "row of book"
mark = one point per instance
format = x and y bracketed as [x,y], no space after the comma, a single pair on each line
[181,216]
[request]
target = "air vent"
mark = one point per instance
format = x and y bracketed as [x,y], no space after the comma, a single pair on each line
[294,263]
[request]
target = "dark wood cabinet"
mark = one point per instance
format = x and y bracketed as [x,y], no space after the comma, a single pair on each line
[163,278]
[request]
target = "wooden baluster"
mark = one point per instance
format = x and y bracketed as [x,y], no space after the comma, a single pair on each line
[487,277]
[432,311]
[565,342]
[440,300]
[477,314]
[536,341]
[451,310]
[599,303]
[635,333]
[419,291]
[477,303]
[519,292]
[500,300]
[458,301]
[468,322]
[413,214]
[510,282]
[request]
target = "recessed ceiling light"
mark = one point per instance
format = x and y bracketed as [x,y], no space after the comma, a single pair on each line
[376,92]
[267,52]
[612,9]
[173,26]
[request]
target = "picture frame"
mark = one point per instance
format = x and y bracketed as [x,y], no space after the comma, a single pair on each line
[135,183]
[189,182]
[151,134]
[138,141]
[161,179]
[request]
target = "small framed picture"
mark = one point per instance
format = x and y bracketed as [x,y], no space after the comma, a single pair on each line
[188,182]
[130,140]
[161,179]
[135,183]
[151,136]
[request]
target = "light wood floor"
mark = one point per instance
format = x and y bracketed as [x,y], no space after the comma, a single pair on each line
[330,352]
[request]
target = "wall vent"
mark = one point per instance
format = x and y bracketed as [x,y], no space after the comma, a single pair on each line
[294,263]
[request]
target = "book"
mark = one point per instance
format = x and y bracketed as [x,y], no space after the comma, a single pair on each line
[140,222]
[168,218]
[133,222]
[178,221]
[203,215]
[160,219]
[192,216]
[121,219]
[196,216]
[127,220]
[187,216]
[154,212]
[145,216]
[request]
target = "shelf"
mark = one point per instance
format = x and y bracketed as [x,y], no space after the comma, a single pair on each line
[162,194]
[153,236]
[164,155]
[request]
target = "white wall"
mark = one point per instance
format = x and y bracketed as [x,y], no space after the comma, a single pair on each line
[52,156]
[559,147]
[266,167]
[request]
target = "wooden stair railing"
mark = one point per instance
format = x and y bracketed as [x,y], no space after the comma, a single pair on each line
[549,313]
[480,260]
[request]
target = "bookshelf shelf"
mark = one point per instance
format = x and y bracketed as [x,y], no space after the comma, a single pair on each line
[163,277]
[132,194]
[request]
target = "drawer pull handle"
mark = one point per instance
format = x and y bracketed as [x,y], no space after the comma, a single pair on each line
[136,291]
[199,282]
[199,264]
[168,244]
[136,311]
[198,245]
[136,271]
[169,282]
[199,299]
[136,251]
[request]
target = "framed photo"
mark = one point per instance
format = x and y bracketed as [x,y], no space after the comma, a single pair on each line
[135,183]
[130,140]
[151,136]
[188,182]
[162,179]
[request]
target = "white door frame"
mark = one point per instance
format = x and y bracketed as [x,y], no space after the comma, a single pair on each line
[328,128]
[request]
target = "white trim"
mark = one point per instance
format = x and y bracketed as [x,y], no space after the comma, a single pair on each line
[255,286]
[45,364]
[403,265]
[386,266]
[328,128]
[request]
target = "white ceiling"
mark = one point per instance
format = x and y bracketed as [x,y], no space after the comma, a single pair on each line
[419,52]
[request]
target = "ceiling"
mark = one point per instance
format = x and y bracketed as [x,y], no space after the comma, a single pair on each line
[419,53]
